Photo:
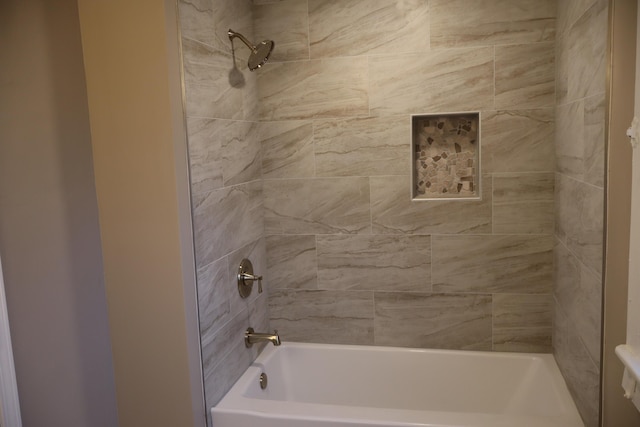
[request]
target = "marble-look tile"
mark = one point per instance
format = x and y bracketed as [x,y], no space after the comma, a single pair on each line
[218,298]
[587,46]
[225,220]
[579,293]
[287,149]
[318,206]
[579,220]
[215,86]
[461,23]
[225,358]
[205,65]
[211,102]
[291,262]
[594,139]
[196,20]
[523,203]
[335,87]
[224,355]
[566,275]
[287,23]
[435,81]
[523,339]
[259,2]
[237,15]
[259,315]
[207,88]
[219,378]
[249,86]
[362,146]
[241,151]
[518,141]
[499,264]
[422,320]
[560,330]
[588,313]
[522,311]
[255,252]
[391,263]
[568,12]
[525,76]
[562,69]
[214,297]
[205,155]
[357,27]
[570,141]
[580,373]
[393,211]
[218,344]
[320,316]
[208,21]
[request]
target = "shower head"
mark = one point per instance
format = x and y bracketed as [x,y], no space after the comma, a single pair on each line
[259,54]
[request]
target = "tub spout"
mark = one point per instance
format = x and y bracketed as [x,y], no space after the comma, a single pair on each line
[251,337]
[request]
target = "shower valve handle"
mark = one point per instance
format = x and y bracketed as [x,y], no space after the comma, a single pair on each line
[251,277]
[246,278]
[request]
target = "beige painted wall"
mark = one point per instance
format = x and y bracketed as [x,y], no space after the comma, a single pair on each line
[49,235]
[131,63]
[616,410]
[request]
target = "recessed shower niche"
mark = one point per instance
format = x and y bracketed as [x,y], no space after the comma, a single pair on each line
[446,156]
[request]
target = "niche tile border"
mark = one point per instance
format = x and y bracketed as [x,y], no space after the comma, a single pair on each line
[445,156]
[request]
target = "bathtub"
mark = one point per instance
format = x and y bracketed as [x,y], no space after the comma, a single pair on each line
[319,385]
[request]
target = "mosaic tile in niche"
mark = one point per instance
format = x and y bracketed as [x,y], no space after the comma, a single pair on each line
[446,150]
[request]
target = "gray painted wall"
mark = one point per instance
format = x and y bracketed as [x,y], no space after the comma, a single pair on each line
[49,233]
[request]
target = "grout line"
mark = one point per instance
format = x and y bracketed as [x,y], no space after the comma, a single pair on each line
[494,77]
[493,203]
[573,101]
[373,316]
[315,239]
[308,34]
[313,146]
[370,208]
[431,263]
[579,181]
[493,308]
[368,69]
[333,177]
[578,259]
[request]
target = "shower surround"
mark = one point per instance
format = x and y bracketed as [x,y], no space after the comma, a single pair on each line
[579,197]
[305,167]
[351,259]
[226,185]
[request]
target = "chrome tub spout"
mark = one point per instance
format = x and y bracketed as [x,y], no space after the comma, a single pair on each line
[251,337]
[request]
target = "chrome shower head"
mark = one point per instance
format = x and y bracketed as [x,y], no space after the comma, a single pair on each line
[259,54]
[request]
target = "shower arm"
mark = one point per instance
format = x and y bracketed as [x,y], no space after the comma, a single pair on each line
[232,34]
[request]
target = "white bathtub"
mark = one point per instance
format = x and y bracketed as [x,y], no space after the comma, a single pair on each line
[316,385]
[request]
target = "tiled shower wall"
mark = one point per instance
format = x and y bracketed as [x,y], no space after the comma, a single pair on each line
[350,258]
[226,184]
[580,143]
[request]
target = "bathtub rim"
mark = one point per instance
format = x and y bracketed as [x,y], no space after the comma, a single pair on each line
[232,402]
